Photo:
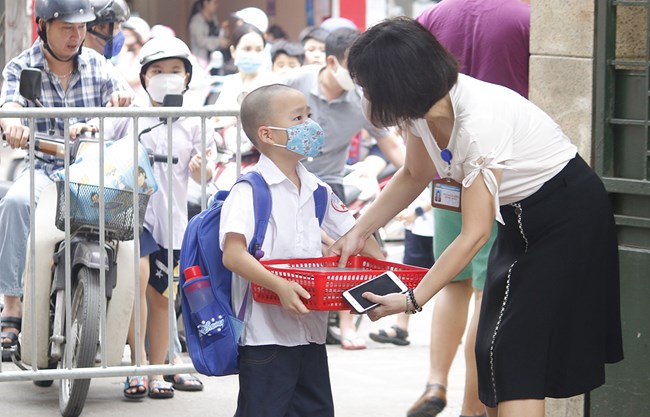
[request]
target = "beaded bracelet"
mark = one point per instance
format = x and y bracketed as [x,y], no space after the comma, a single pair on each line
[410,298]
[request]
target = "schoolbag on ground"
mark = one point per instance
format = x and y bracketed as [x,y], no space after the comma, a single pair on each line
[212,333]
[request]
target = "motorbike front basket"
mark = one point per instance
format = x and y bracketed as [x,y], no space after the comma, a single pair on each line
[84,209]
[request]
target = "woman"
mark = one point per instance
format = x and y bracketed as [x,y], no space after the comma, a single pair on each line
[248,52]
[550,317]
[205,34]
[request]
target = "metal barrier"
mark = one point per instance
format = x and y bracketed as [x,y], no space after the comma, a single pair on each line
[36,261]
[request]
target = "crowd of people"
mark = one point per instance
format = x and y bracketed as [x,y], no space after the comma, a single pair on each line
[447,109]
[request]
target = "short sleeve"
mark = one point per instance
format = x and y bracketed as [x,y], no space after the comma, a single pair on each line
[338,220]
[237,213]
[490,145]
[10,86]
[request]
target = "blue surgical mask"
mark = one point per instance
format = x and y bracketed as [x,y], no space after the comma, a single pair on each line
[118,42]
[305,139]
[249,63]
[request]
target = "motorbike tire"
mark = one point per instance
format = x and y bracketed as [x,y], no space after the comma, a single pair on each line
[82,340]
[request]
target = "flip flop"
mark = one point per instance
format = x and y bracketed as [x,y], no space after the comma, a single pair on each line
[185,382]
[399,339]
[10,323]
[138,382]
[354,343]
[160,389]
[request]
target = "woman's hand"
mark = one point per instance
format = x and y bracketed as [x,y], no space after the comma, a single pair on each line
[347,245]
[388,304]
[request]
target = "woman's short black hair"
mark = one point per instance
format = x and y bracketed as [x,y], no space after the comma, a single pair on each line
[403,70]
[242,30]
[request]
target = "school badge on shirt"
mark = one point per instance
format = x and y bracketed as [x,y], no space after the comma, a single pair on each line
[337,204]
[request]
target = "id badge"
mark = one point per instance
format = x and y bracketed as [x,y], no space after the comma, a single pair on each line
[446,194]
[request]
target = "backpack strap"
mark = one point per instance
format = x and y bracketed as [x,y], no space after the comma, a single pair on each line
[262,209]
[320,201]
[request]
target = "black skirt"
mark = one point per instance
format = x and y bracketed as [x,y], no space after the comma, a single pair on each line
[550,316]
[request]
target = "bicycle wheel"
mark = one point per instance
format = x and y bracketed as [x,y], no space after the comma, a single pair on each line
[82,341]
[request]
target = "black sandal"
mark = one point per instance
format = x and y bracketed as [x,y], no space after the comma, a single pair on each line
[399,339]
[14,323]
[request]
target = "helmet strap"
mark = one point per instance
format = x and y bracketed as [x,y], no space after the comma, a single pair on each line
[42,33]
[106,38]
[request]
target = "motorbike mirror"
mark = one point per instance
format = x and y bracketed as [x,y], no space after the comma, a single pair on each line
[30,85]
[172,100]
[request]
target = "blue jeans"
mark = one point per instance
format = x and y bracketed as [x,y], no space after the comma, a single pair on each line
[14,230]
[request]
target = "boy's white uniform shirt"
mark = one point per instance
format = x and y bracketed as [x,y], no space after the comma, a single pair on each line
[293,232]
[186,142]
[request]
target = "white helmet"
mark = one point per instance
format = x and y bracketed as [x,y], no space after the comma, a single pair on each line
[139,26]
[163,47]
[255,17]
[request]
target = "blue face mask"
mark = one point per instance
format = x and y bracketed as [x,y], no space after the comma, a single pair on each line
[118,42]
[305,139]
[249,63]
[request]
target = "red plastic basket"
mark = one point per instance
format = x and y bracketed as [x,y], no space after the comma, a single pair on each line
[325,282]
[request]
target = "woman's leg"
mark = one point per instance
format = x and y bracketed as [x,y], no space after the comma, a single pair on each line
[472,406]
[447,327]
[350,339]
[517,408]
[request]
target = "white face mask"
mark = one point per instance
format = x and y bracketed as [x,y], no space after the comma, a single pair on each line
[342,76]
[162,84]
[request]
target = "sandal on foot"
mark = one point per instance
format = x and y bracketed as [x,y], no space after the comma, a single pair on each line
[11,323]
[354,343]
[399,339]
[159,389]
[139,383]
[430,403]
[184,382]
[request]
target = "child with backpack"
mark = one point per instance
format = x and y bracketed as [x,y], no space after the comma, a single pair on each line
[166,69]
[283,367]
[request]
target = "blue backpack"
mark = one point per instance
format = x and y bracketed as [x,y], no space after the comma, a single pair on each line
[212,333]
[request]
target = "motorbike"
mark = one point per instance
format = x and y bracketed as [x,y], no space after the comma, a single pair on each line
[66,294]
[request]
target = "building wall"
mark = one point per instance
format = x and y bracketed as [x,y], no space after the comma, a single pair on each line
[561,65]
[560,82]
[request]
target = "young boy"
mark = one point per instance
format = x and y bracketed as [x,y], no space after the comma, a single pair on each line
[166,69]
[286,56]
[283,360]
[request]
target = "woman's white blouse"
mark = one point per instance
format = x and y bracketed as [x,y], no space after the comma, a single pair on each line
[496,128]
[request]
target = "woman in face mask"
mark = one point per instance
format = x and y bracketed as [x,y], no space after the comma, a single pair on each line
[251,59]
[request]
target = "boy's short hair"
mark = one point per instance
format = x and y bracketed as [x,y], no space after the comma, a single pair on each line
[339,41]
[292,49]
[257,109]
[315,33]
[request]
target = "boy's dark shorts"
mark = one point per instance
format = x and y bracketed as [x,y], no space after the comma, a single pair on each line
[157,262]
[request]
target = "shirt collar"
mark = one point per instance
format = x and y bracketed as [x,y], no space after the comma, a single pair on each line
[273,175]
[37,57]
